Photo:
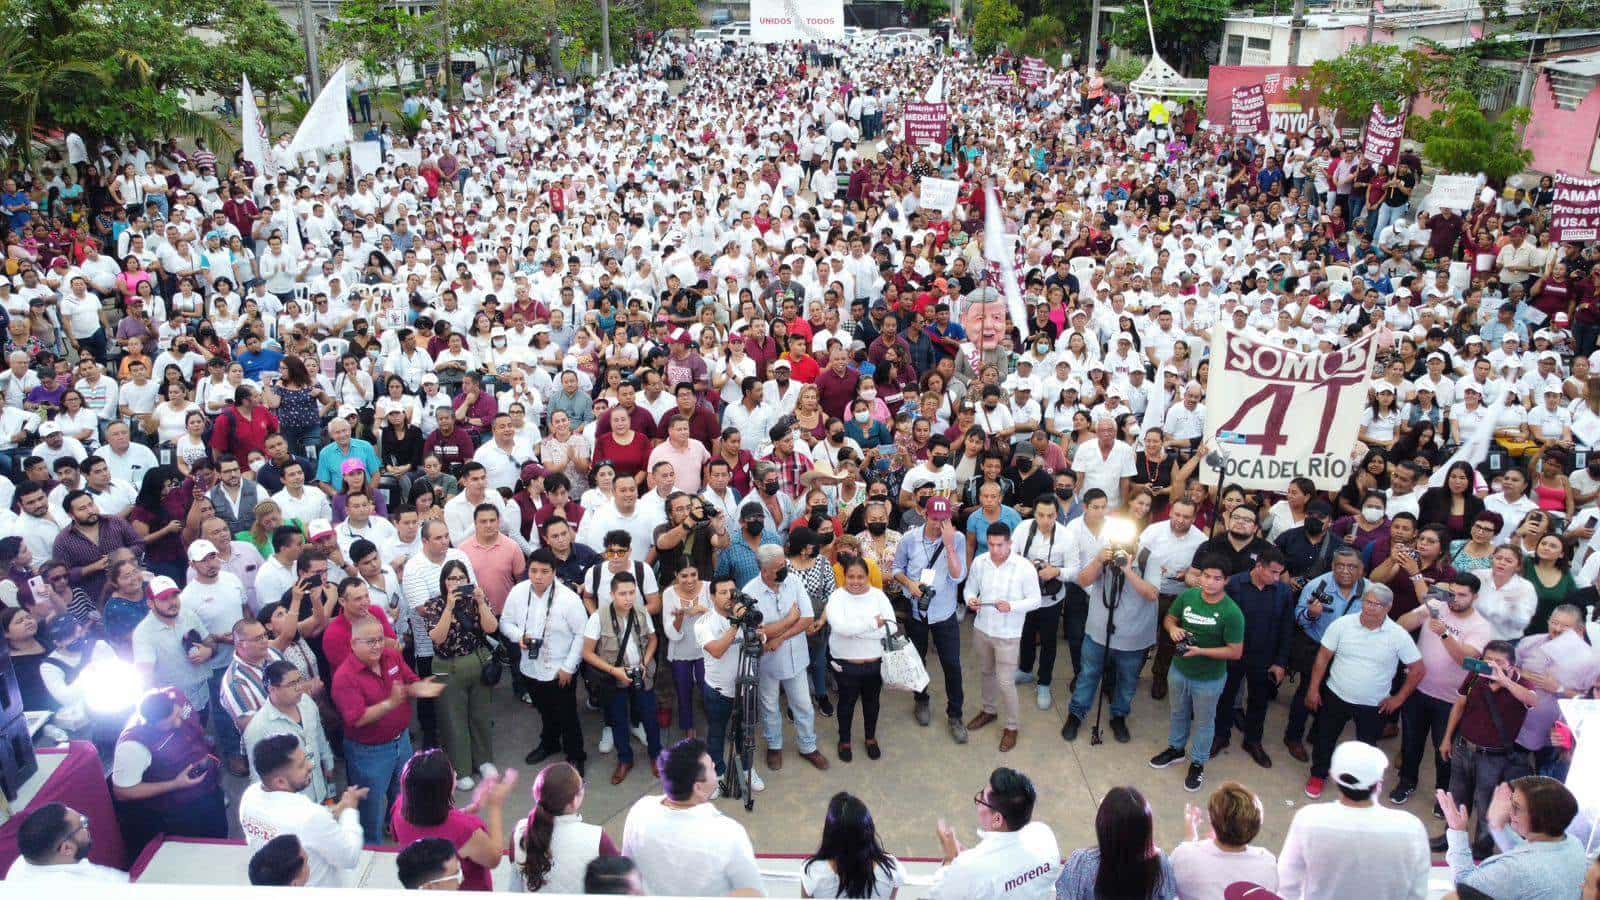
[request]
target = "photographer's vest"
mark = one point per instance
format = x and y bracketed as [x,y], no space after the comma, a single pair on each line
[608,644]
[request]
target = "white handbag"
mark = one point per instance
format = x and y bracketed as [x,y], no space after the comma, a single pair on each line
[902,667]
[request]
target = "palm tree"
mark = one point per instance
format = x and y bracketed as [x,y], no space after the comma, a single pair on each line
[30,79]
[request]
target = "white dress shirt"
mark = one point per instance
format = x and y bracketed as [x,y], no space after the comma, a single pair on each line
[332,845]
[556,617]
[1013,581]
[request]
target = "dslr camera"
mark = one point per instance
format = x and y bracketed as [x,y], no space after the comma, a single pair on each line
[636,677]
[531,646]
[745,612]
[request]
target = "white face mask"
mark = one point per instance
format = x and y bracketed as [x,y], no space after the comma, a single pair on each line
[863,417]
[869,394]
[1371,514]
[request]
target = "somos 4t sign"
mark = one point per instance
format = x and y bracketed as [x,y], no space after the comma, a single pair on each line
[1275,414]
[773,21]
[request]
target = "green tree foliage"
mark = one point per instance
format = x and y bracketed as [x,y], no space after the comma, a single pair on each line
[1459,138]
[1184,29]
[126,67]
[498,28]
[1043,35]
[994,21]
[1365,74]
[1546,15]
[382,36]
[1443,70]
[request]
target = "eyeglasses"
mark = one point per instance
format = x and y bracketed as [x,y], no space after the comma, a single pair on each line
[369,641]
[615,554]
[978,798]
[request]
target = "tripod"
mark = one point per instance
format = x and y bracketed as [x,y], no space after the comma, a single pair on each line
[1113,584]
[741,749]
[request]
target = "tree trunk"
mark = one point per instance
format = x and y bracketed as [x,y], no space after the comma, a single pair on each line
[605,36]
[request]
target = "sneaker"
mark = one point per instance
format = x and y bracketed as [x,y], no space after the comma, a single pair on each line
[1042,698]
[1119,729]
[1023,678]
[1401,793]
[958,730]
[756,784]
[525,697]
[1069,731]
[465,784]
[487,770]
[607,742]
[638,734]
[1314,787]
[1195,778]
[1166,757]
[824,706]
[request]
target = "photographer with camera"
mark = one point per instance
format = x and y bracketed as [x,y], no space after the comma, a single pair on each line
[718,633]
[163,777]
[619,646]
[1323,600]
[692,535]
[546,619]
[930,564]
[458,622]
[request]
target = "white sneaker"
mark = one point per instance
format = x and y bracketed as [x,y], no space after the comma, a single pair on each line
[1042,697]
[465,784]
[756,784]
[607,744]
[638,734]
[487,770]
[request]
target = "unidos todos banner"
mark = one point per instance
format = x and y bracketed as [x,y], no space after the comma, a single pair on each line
[775,21]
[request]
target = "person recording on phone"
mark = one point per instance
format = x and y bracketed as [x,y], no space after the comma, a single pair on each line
[1449,631]
[163,777]
[1480,739]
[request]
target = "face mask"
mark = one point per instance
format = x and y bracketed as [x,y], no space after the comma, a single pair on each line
[1042,348]
[938,460]
[869,394]
[256,465]
[819,510]
[1314,526]
[753,528]
[837,437]
[877,528]
[1371,515]
[782,574]
[769,488]
[1064,494]
[865,417]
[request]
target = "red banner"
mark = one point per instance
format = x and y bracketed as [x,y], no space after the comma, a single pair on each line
[1381,144]
[1248,114]
[1001,80]
[1575,213]
[1279,86]
[927,123]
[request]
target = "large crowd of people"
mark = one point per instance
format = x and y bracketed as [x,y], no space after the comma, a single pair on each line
[316,452]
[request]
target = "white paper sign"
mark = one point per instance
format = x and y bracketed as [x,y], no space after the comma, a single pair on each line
[940,194]
[1454,192]
[365,157]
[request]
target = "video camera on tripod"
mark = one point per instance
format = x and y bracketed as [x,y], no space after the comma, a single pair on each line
[746,716]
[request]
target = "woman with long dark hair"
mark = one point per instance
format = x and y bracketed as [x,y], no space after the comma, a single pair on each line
[295,401]
[1125,863]
[426,809]
[458,619]
[1454,504]
[553,845]
[152,520]
[850,862]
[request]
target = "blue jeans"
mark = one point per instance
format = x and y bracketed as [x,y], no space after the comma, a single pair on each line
[1386,216]
[1125,668]
[719,709]
[1193,702]
[817,669]
[643,703]
[798,690]
[377,768]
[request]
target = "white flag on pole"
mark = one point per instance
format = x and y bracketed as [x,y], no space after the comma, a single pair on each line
[257,148]
[328,122]
[998,251]
[935,90]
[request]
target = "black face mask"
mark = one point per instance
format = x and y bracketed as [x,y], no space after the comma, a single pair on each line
[877,528]
[753,528]
[769,488]
[1314,526]
[938,460]
[837,437]
[821,510]
[1064,494]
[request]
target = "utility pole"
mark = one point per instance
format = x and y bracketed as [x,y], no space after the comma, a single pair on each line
[308,27]
[1372,19]
[1297,24]
[1094,38]
[605,36]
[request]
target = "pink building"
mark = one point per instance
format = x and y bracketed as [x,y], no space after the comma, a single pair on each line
[1564,132]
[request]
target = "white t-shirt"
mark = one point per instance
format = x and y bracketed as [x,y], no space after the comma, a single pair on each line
[689,852]
[1324,839]
[332,846]
[1104,471]
[1203,871]
[818,879]
[630,654]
